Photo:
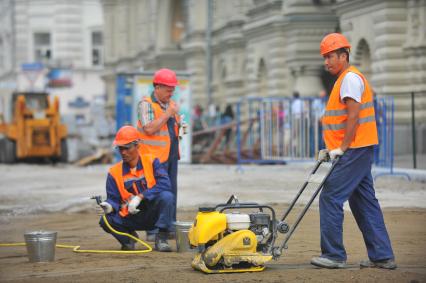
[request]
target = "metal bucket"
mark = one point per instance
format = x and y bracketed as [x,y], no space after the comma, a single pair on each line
[41,245]
[182,240]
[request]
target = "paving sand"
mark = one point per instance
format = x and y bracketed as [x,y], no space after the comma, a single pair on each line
[406,228]
[66,188]
[57,198]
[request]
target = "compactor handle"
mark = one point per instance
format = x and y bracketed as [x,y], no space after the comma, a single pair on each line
[305,209]
[97,198]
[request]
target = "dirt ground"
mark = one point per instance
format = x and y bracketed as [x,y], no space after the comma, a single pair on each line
[35,197]
[406,228]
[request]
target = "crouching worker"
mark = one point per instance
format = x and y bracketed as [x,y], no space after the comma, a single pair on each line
[139,194]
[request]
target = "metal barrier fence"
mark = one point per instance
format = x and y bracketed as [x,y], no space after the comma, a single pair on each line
[280,130]
[409,107]
[284,129]
[384,152]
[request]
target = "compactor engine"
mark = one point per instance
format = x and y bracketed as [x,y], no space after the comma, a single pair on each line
[229,240]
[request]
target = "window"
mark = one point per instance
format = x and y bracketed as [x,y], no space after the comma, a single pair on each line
[97,48]
[1,54]
[178,24]
[262,79]
[42,48]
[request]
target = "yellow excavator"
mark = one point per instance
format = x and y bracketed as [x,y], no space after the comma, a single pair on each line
[34,129]
[241,236]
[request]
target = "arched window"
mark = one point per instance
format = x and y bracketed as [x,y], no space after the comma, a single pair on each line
[2,63]
[178,23]
[221,88]
[262,76]
[362,58]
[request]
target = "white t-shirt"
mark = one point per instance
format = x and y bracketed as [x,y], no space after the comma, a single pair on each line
[352,86]
[297,107]
[318,107]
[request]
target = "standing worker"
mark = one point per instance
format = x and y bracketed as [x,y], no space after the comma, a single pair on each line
[159,124]
[349,130]
[139,194]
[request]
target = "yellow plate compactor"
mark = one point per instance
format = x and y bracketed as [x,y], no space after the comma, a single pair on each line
[231,241]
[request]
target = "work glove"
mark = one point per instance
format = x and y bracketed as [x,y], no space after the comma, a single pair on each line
[335,152]
[323,155]
[133,204]
[104,208]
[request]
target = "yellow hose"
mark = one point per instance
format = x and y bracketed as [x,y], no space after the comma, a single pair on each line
[76,249]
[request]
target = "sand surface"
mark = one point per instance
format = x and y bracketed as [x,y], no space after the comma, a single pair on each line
[406,228]
[57,198]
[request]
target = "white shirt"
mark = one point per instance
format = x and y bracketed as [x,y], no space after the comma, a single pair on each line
[352,86]
[297,107]
[318,107]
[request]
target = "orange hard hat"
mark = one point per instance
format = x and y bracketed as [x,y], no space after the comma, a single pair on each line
[165,77]
[332,42]
[126,135]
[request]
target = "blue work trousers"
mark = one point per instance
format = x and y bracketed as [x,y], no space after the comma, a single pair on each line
[172,162]
[351,180]
[172,170]
[155,214]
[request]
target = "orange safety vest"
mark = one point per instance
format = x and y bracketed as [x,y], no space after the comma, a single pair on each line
[334,119]
[116,172]
[157,144]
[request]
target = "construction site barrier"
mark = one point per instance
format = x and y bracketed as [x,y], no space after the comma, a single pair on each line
[279,130]
[283,129]
[384,152]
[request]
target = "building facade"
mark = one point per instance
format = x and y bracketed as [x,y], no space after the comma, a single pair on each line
[53,46]
[271,47]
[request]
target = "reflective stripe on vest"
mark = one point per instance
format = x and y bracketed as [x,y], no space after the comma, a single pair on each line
[160,133]
[343,112]
[335,117]
[135,179]
[116,172]
[157,144]
[343,125]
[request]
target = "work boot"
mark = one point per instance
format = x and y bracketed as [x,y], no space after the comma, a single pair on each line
[161,243]
[385,264]
[131,245]
[172,236]
[128,247]
[134,234]
[327,263]
[150,237]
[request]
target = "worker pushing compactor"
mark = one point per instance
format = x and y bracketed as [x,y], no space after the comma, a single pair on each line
[139,194]
[229,239]
[349,130]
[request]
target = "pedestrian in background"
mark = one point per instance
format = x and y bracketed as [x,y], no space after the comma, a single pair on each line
[159,124]
[296,105]
[297,119]
[227,117]
[198,120]
[349,129]
[139,194]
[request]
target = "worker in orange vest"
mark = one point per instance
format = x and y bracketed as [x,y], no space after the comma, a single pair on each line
[349,130]
[139,193]
[159,125]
